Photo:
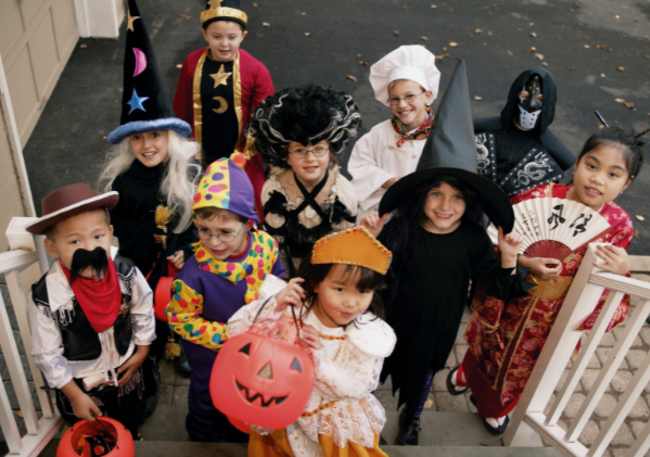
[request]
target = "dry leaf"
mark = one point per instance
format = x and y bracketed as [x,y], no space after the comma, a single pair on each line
[255,5]
[423,38]
[307,34]
[448,55]
[629,104]
[433,6]
[509,52]
[303,14]
[83,45]
[619,100]
[396,32]
[539,56]
[489,33]
[363,62]
[453,44]
[586,46]
[636,234]
[266,24]
[533,34]
[617,16]
[576,4]
[478,31]
[639,217]
[441,56]
[445,48]
[545,64]
[351,78]
[604,47]
[532,49]
[636,19]
[602,75]
[179,65]
[184,16]
[476,97]
[620,68]
[570,67]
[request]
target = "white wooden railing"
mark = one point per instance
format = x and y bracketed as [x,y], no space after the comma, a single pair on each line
[581,299]
[39,432]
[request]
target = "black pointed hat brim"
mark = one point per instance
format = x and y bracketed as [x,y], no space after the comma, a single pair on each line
[498,208]
[169,123]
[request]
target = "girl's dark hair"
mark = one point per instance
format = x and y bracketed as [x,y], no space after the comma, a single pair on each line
[367,281]
[617,137]
[399,233]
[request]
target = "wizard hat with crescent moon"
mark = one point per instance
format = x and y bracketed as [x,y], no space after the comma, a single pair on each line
[223,10]
[145,106]
[450,151]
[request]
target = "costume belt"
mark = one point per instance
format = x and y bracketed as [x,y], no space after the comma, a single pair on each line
[550,289]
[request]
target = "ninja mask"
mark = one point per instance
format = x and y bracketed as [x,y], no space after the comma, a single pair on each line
[530,102]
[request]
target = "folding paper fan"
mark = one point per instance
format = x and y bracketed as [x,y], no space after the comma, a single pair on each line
[554,227]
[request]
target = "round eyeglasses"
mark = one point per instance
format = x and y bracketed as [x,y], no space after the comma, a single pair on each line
[408,99]
[318,151]
[205,235]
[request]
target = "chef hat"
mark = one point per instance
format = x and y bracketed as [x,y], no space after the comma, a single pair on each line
[412,62]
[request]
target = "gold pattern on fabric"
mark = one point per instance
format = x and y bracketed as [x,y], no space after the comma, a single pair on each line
[221,77]
[196,98]
[223,11]
[550,289]
[130,20]
[223,105]
[236,93]
[214,3]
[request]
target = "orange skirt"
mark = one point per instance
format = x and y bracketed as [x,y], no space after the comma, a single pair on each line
[277,445]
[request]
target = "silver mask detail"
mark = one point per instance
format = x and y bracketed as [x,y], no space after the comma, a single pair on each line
[527,120]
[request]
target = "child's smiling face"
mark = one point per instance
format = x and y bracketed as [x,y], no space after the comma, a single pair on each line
[443,208]
[309,163]
[339,301]
[232,235]
[150,148]
[224,39]
[412,113]
[88,231]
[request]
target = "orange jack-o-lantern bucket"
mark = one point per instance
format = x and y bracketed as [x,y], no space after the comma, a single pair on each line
[261,380]
[102,437]
[239,424]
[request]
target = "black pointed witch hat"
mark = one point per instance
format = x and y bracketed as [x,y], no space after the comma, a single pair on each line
[450,150]
[223,10]
[145,105]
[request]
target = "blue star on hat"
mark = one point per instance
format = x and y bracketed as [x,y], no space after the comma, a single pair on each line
[136,102]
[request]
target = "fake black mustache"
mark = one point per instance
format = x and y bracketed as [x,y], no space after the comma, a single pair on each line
[82,259]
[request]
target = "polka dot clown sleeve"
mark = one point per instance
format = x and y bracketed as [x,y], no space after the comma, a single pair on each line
[184,316]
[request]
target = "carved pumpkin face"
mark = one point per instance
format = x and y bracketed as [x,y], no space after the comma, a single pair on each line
[261,380]
[90,438]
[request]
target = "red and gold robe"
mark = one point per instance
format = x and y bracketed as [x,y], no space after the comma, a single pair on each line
[247,85]
[506,337]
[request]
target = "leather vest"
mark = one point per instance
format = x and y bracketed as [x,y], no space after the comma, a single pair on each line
[80,341]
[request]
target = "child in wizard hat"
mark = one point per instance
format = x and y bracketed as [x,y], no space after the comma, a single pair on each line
[219,87]
[230,262]
[152,167]
[91,316]
[439,243]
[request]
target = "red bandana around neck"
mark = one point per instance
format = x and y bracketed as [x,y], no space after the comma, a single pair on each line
[99,300]
[421,133]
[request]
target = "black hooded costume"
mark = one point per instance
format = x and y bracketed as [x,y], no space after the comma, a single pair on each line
[516,159]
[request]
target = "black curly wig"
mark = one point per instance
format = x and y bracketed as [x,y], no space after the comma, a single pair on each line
[307,115]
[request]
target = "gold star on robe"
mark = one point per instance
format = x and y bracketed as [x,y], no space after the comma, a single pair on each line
[220,78]
[215,3]
[130,21]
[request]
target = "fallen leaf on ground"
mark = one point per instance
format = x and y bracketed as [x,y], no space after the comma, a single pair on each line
[532,49]
[184,16]
[423,38]
[433,6]
[539,56]
[478,31]
[604,47]
[639,217]
[453,44]
[396,32]
[629,104]
[586,46]
[576,4]
[363,62]
[509,52]
[636,234]
[266,24]
[351,78]
[255,5]
[617,16]
[444,48]
[489,33]
[570,67]
[448,55]
[545,64]
[602,75]
[620,68]
[476,97]
[533,34]
[440,57]
[619,100]
[179,65]
[303,14]
[307,34]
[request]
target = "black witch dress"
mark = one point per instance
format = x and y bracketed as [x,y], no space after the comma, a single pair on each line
[297,225]
[431,290]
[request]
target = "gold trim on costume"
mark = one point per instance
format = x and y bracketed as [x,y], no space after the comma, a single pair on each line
[196,98]
[551,289]
[223,12]
[236,95]
[223,105]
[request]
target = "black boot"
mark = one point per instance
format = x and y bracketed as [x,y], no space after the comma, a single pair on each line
[182,366]
[409,429]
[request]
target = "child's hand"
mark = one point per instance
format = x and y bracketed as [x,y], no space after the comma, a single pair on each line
[82,405]
[132,364]
[159,238]
[310,337]
[374,223]
[178,259]
[290,295]
[509,246]
[544,268]
[616,259]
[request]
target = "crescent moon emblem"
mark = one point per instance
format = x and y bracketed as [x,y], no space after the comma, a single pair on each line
[140,61]
[223,105]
